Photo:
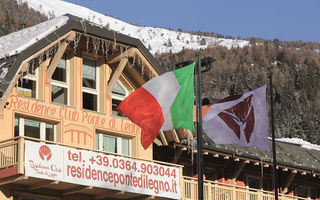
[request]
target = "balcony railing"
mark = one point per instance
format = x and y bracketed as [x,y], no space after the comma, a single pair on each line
[12,154]
[218,191]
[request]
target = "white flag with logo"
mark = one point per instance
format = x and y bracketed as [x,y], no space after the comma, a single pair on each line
[240,119]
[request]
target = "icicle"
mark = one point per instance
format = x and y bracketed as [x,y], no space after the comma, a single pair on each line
[96,45]
[126,52]
[87,41]
[40,59]
[121,49]
[150,74]
[102,46]
[31,66]
[191,149]
[261,167]
[76,42]
[142,70]
[133,61]
[83,26]
[107,49]
[47,52]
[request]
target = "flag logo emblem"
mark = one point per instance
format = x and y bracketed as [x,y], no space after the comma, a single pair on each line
[45,152]
[240,118]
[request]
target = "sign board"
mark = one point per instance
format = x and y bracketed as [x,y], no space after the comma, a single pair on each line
[55,162]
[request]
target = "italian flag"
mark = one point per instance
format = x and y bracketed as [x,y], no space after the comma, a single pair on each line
[163,103]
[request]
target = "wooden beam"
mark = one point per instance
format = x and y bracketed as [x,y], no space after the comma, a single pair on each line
[163,138]
[288,182]
[155,73]
[12,179]
[42,184]
[256,163]
[226,157]
[57,57]
[76,190]
[157,142]
[304,173]
[108,194]
[174,135]
[237,172]
[177,155]
[129,53]
[116,76]
[215,155]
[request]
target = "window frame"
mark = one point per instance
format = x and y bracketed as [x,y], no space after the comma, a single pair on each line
[90,90]
[119,98]
[62,84]
[118,140]
[21,128]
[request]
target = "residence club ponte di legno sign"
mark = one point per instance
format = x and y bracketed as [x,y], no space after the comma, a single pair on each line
[100,170]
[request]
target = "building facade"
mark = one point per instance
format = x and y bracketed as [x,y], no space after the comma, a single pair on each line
[62,137]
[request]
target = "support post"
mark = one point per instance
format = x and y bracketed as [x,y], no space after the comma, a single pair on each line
[275,176]
[199,132]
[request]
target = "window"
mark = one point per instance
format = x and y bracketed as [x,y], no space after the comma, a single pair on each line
[90,84]
[60,82]
[113,144]
[27,86]
[119,93]
[35,129]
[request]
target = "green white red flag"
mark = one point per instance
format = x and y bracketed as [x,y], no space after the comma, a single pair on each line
[240,119]
[163,103]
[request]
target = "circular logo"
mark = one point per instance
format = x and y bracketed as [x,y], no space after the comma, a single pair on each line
[45,153]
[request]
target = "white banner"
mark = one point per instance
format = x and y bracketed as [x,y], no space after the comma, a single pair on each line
[89,168]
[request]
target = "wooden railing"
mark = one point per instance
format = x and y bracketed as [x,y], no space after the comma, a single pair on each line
[219,191]
[8,153]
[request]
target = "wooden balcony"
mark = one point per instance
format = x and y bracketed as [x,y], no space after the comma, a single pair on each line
[12,172]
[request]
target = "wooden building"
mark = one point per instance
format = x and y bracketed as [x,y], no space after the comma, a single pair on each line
[62,138]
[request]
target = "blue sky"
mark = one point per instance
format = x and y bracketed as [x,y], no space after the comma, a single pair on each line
[268,19]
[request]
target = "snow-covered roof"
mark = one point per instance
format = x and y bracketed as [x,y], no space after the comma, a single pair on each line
[21,45]
[300,142]
[18,41]
[291,153]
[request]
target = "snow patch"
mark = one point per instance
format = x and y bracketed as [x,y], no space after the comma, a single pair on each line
[300,142]
[157,40]
[16,42]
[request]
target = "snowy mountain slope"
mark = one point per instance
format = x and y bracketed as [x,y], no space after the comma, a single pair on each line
[157,40]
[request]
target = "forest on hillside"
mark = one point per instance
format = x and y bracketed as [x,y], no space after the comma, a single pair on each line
[296,80]
[15,16]
[237,70]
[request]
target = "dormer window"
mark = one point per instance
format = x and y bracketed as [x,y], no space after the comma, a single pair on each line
[90,90]
[27,86]
[119,93]
[60,82]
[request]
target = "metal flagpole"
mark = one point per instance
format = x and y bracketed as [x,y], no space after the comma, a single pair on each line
[199,131]
[275,176]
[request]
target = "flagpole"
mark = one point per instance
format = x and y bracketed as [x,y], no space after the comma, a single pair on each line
[275,175]
[199,131]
